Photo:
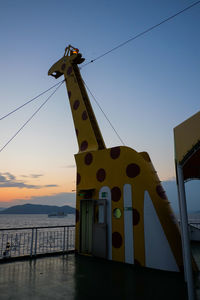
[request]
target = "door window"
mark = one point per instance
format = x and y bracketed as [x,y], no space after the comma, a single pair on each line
[117,213]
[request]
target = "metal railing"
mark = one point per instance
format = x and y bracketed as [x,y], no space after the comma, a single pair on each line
[197,225]
[33,241]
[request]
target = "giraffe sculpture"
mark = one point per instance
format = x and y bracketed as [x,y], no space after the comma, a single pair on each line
[122,212]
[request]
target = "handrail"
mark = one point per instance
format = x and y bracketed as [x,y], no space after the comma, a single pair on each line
[35,227]
[34,241]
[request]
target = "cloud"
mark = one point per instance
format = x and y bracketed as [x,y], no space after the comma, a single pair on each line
[10,176]
[32,175]
[9,180]
[36,175]
[60,199]
[70,166]
[2,178]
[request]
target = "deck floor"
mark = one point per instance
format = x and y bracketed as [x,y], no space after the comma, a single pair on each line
[79,277]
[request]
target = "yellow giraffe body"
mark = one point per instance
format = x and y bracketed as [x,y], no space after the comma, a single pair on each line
[142,177]
[151,235]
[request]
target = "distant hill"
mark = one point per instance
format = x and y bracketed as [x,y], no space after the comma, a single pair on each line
[38,209]
[2,208]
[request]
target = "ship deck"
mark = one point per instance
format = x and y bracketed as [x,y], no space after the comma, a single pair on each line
[80,277]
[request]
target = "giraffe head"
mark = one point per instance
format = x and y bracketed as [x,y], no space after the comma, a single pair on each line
[71,56]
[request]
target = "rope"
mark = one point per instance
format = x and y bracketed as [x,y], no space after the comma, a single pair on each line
[93,60]
[104,114]
[1,149]
[141,33]
[16,109]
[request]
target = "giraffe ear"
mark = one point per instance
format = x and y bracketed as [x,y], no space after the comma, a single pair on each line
[78,59]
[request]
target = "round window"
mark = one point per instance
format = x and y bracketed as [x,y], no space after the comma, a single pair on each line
[117,213]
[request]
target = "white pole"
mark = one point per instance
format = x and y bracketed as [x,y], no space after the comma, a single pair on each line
[185,233]
[183,250]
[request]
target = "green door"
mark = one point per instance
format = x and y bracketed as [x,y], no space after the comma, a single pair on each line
[86,226]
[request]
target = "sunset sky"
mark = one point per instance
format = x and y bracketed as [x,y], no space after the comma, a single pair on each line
[146,88]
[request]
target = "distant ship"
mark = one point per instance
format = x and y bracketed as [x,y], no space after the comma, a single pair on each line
[58,214]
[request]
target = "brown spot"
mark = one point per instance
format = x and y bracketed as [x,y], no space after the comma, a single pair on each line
[63,67]
[77,215]
[84,145]
[78,178]
[161,192]
[115,194]
[136,217]
[132,170]
[116,240]
[115,152]
[88,159]
[76,132]
[69,70]
[76,104]
[101,175]
[69,94]
[84,115]
[137,263]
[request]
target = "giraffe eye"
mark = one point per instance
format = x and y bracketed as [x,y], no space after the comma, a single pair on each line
[56,74]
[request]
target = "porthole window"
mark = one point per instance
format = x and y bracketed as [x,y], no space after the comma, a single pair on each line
[117,213]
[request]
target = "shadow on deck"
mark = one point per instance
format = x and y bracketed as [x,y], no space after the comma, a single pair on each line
[79,277]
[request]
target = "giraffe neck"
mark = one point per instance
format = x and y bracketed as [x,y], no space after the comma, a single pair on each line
[87,130]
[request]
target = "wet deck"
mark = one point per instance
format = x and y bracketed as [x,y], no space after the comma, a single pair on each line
[78,277]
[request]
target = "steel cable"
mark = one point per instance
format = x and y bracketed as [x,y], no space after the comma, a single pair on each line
[31,117]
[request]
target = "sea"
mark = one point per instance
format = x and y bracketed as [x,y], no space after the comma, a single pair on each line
[192,218]
[40,220]
[35,220]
